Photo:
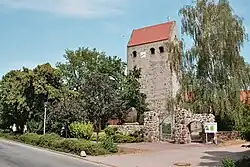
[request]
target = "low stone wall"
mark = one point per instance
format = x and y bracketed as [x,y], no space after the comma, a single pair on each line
[128,128]
[228,135]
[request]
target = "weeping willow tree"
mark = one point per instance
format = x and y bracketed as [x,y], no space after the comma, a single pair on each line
[212,71]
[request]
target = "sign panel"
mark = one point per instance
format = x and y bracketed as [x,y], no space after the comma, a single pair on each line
[210,127]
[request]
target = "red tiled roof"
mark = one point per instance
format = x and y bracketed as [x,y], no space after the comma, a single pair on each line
[150,34]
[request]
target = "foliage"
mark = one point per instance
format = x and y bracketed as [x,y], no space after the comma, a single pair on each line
[23,93]
[88,86]
[55,142]
[108,143]
[245,129]
[103,90]
[138,135]
[30,138]
[119,137]
[81,130]
[122,138]
[228,163]
[212,71]
[101,136]
[110,130]
[48,139]
[132,96]
[244,162]
[66,111]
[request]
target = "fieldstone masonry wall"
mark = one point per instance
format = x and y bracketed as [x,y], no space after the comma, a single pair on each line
[228,135]
[151,126]
[128,128]
[183,119]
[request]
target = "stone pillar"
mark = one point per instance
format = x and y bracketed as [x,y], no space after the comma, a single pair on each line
[151,126]
[181,131]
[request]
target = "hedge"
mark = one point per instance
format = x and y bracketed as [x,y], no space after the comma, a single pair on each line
[55,142]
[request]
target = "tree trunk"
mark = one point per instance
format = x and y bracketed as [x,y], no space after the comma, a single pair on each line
[98,128]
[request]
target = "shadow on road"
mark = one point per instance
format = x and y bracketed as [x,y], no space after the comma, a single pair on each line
[214,158]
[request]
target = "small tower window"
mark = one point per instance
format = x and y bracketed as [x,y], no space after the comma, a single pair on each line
[134,54]
[161,49]
[152,50]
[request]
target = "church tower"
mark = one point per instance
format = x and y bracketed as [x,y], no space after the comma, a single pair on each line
[147,49]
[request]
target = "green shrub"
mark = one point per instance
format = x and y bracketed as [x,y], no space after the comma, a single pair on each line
[55,142]
[228,162]
[10,136]
[1,134]
[138,135]
[120,138]
[30,138]
[102,135]
[245,127]
[111,130]
[91,148]
[108,144]
[81,130]
[48,139]
[245,133]
[76,146]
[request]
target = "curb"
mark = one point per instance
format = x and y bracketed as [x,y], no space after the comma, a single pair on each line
[58,153]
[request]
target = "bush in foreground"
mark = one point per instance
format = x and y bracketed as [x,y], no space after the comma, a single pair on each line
[81,130]
[244,162]
[55,142]
[228,162]
[108,143]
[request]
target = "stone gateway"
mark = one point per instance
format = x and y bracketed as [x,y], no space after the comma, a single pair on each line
[183,119]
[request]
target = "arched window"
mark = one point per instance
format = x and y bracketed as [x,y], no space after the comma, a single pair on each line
[161,49]
[134,54]
[152,50]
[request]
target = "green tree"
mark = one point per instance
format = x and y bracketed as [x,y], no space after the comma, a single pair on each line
[131,94]
[14,88]
[213,70]
[104,91]
[66,110]
[23,93]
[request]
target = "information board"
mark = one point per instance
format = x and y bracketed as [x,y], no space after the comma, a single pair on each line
[210,127]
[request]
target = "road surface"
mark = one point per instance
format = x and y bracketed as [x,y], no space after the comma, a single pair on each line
[13,154]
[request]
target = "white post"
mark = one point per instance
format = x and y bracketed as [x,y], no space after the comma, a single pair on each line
[206,139]
[44,121]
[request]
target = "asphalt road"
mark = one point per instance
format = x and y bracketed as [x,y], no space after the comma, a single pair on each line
[13,154]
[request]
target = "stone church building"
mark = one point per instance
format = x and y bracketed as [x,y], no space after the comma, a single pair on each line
[147,49]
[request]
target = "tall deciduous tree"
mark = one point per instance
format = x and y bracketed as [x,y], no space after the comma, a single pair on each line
[104,91]
[23,93]
[213,71]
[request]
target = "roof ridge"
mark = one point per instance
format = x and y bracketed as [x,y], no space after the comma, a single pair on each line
[155,25]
